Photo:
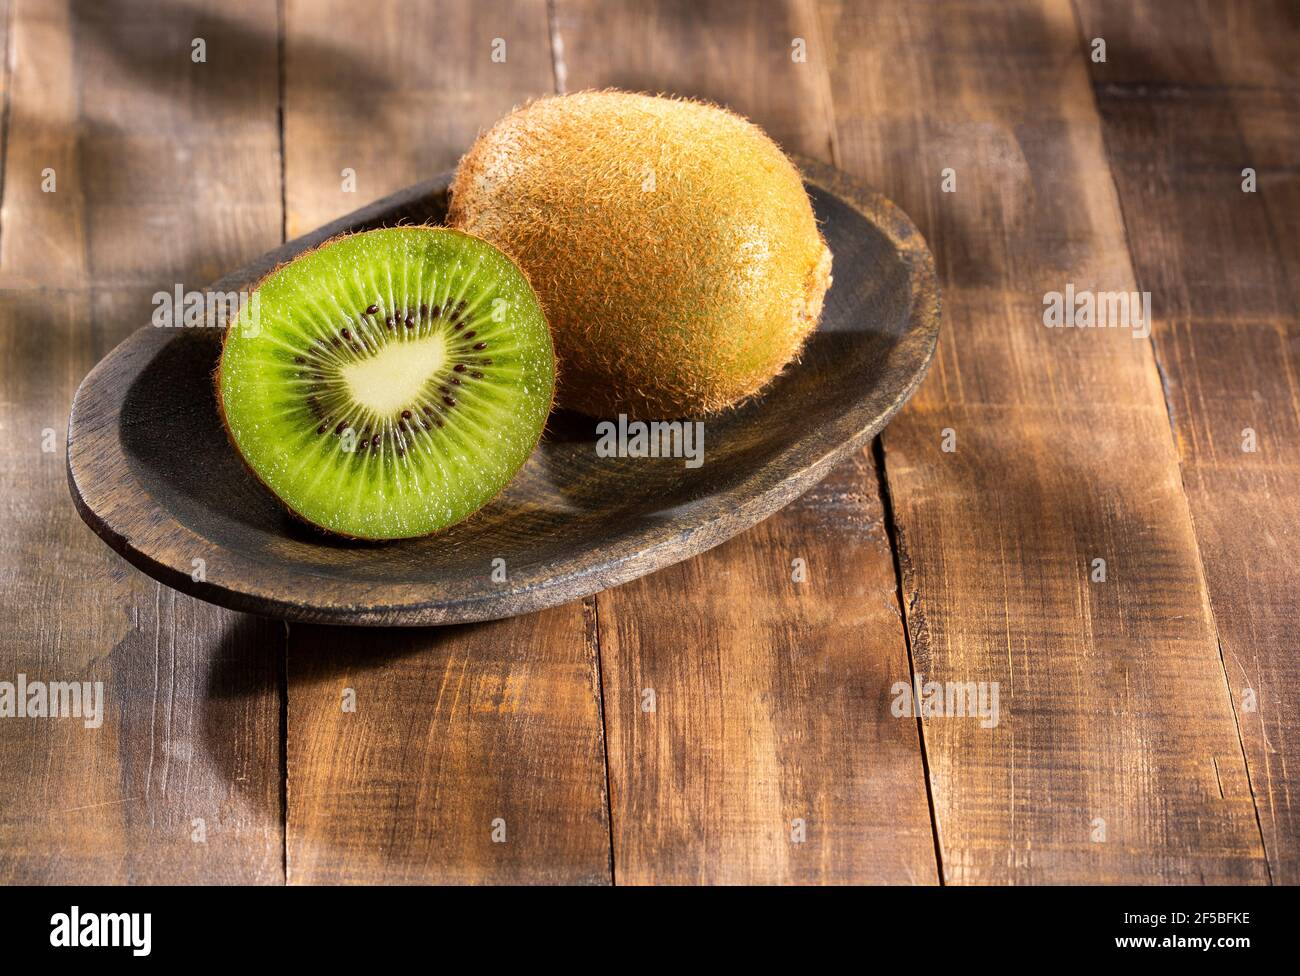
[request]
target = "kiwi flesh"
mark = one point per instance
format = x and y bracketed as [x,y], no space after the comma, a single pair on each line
[672,243]
[389,383]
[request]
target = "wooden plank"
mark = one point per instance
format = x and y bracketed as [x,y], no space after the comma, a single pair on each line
[771,754]
[6,14]
[394,92]
[40,142]
[1223,267]
[1116,757]
[741,55]
[180,783]
[473,754]
[458,728]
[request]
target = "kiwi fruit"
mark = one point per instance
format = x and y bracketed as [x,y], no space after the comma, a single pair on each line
[389,383]
[671,242]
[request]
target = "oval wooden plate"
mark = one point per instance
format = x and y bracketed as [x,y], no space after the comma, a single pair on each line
[151,470]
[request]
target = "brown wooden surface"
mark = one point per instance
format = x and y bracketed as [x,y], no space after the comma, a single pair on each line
[1115,705]
[1182,118]
[136,136]
[1121,702]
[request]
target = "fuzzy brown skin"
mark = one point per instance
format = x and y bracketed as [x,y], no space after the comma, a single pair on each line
[221,406]
[671,242]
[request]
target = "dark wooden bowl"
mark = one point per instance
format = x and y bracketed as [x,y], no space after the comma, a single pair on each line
[152,473]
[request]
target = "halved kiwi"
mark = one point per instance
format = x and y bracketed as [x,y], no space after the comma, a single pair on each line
[388,384]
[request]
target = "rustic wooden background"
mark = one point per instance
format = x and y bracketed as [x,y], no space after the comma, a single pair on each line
[1150,724]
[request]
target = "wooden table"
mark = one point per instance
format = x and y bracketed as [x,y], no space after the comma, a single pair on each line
[717,721]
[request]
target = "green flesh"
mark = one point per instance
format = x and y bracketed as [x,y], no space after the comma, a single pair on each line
[457,400]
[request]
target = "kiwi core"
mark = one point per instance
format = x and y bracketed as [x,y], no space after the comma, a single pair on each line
[396,374]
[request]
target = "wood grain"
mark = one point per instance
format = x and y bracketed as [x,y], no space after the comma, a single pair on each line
[6,65]
[456,728]
[1183,116]
[1116,757]
[771,754]
[181,781]
[473,754]
[393,92]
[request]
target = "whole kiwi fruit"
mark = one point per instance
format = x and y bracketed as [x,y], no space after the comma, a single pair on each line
[671,242]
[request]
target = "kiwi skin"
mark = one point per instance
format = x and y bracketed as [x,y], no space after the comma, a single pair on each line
[293,513]
[679,300]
